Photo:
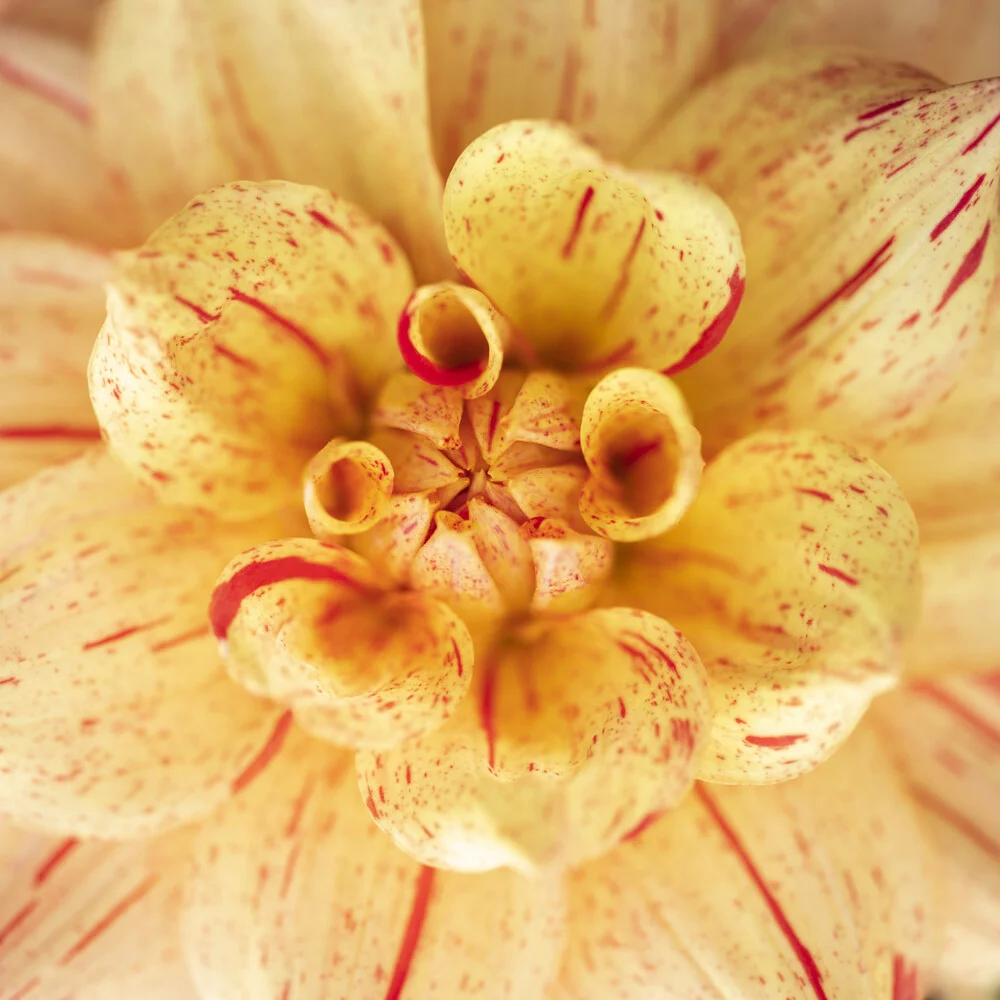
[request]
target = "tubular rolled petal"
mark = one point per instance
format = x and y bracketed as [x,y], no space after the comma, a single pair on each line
[644,456]
[235,338]
[579,729]
[296,867]
[795,575]
[595,266]
[310,625]
[348,486]
[869,217]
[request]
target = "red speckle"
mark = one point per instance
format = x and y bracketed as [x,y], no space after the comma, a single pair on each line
[838,574]
[327,223]
[819,494]
[622,710]
[712,335]
[954,213]
[968,267]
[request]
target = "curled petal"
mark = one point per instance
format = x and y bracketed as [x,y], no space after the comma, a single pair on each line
[226,333]
[795,576]
[116,719]
[583,726]
[595,266]
[296,868]
[453,335]
[819,889]
[51,307]
[644,456]
[308,624]
[869,218]
[570,567]
[348,486]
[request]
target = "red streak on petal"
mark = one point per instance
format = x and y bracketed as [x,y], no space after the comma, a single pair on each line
[177,640]
[905,980]
[425,369]
[229,595]
[236,359]
[621,284]
[838,574]
[861,128]
[956,820]
[26,989]
[16,921]
[775,742]
[882,110]
[300,334]
[968,267]
[458,658]
[712,335]
[411,936]
[902,166]
[267,753]
[327,223]
[55,859]
[643,825]
[52,431]
[806,491]
[802,953]
[21,78]
[954,213]
[113,915]
[611,359]
[958,708]
[122,634]
[982,135]
[203,314]
[581,212]
[486,709]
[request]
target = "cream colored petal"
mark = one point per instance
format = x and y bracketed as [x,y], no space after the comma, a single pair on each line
[296,893]
[605,66]
[51,176]
[407,403]
[89,919]
[866,198]
[393,543]
[116,717]
[596,266]
[579,729]
[193,94]
[51,307]
[221,367]
[819,889]
[644,456]
[570,567]
[795,576]
[309,625]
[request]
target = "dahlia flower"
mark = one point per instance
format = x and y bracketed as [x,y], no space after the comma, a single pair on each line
[486,516]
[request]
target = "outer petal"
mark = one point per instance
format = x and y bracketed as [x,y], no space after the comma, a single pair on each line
[814,890]
[240,338]
[190,95]
[89,919]
[583,727]
[297,894]
[867,202]
[51,307]
[606,67]
[308,624]
[73,19]
[116,718]
[51,176]
[795,575]
[596,266]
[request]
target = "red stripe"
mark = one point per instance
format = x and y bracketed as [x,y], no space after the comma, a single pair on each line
[802,953]
[775,742]
[982,135]
[712,335]
[113,915]
[55,859]
[300,333]
[487,709]
[621,284]
[411,937]
[968,267]
[956,820]
[327,223]
[21,78]
[882,110]
[422,366]
[177,640]
[959,708]
[574,233]
[123,634]
[267,753]
[16,921]
[52,431]
[838,574]
[203,314]
[954,213]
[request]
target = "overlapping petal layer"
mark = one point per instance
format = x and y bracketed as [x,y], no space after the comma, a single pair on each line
[297,894]
[597,266]
[51,307]
[577,731]
[240,338]
[795,576]
[867,202]
[819,889]
[116,718]
[193,94]
[310,625]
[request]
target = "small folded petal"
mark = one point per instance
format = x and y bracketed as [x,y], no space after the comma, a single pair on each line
[644,456]
[594,265]
[234,335]
[296,893]
[90,919]
[795,576]
[348,486]
[189,95]
[819,889]
[309,625]
[605,66]
[570,567]
[116,718]
[866,197]
[581,727]
[407,403]
[51,307]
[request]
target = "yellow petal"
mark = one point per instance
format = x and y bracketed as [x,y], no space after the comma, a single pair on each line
[644,456]
[234,335]
[89,919]
[51,307]
[819,889]
[116,718]
[51,176]
[570,567]
[866,199]
[795,576]
[606,67]
[308,624]
[297,894]
[190,95]
[596,266]
[580,728]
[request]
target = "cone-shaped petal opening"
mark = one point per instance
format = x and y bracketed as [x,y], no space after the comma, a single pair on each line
[347,488]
